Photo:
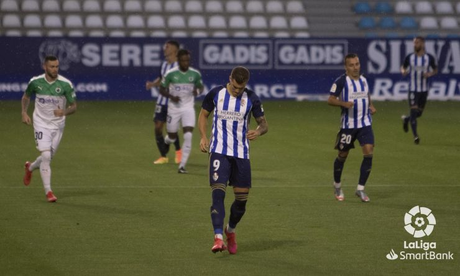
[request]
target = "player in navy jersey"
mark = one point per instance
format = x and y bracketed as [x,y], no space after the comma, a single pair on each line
[421,66]
[232,106]
[350,92]
[170,49]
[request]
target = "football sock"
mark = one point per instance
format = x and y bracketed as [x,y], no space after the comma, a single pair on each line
[338,167]
[366,167]
[218,208]
[230,229]
[36,164]
[238,209]
[186,149]
[177,144]
[45,170]
[360,187]
[337,185]
[161,145]
[169,141]
[219,236]
[413,121]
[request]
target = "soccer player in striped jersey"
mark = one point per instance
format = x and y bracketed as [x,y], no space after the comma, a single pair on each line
[421,66]
[350,92]
[181,85]
[54,100]
[170,49]
[229,164]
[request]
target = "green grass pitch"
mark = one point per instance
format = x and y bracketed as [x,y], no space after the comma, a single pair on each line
[118,214]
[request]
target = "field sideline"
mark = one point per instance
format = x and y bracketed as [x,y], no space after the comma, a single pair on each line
[118,214]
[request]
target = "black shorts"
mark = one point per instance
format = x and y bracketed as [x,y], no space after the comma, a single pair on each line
[161,112]
[346,138]
[418,99]
[229,170]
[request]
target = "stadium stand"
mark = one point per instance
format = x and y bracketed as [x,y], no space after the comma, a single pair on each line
[236,18]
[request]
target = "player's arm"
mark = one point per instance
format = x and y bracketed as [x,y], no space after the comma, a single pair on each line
[434,66]
[262,128]
[335,101]
[71,109]
[371,105]
[197,90]
[203,127]
[25,102]
[164,90]
[155,83]
[405,66]
[336,90]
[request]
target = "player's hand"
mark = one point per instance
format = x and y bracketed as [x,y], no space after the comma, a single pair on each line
[175,99]
[427,74]
[204,144]
[348,104]
[372,109]
[148,85]
[404,72]
[59,112]
[252,134]
[26,119]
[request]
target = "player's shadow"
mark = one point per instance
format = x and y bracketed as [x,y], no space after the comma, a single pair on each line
[255,246]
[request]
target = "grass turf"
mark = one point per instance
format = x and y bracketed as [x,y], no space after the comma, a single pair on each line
[118,214]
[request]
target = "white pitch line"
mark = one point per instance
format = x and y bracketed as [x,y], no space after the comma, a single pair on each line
[207,186]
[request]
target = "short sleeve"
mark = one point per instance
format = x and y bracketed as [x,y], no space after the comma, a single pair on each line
[70,94]
[257,108]
[433,63]
[198,81]
[337,86]
[406,62]
[208,101]
[30,88]
[166,80]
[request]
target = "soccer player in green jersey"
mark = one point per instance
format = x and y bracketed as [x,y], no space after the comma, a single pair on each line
[181,85]
[54,100]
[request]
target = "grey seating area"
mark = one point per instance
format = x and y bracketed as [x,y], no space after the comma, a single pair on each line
[154,18]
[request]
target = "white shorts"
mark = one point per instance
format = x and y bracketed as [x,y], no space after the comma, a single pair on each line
[185,116]
[47,139]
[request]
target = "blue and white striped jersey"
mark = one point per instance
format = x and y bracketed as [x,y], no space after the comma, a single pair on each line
[419,66]
[231,120]
[357,92]
[165,67]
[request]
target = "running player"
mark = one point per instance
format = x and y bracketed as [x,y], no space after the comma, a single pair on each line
[55,99]
[421,66]
[181,85]
[170,49]
[350,92]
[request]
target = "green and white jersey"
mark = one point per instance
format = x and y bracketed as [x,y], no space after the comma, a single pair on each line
[50,96]
[181,84]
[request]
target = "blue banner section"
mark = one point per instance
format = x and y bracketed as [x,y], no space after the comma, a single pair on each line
[281,69]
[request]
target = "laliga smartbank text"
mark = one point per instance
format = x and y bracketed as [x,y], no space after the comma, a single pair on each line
[428,254]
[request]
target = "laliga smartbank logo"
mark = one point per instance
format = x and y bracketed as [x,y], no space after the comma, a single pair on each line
[419,222]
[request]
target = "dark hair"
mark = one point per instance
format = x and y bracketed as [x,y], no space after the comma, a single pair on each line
[240,74]
[174,43]
[50,58]
[421,38]
[350,55]
[182,52]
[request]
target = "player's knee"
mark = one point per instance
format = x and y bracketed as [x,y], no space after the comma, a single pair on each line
[240,201]
[169,139]
[420,112]
[46,156]
[342,156]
